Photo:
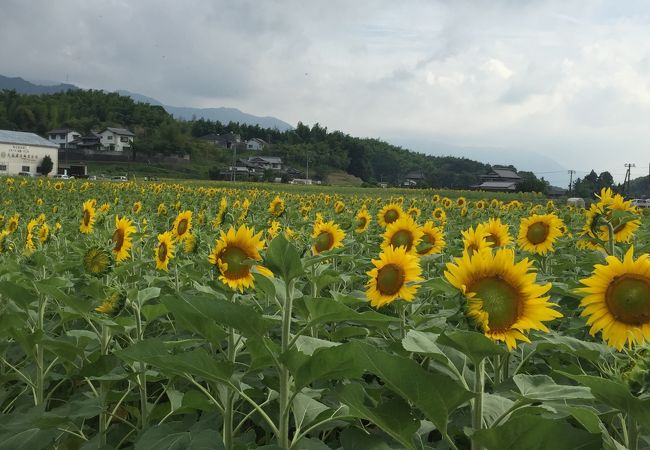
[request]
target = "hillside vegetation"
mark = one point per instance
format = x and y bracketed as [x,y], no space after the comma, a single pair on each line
[371,160]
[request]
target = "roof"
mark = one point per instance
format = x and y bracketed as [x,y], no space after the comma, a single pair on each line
[268,159]
[261,141]
[19,137]
[210,137]
[414,176]
[120,131]
[510,185]
[506,173]
[61,131]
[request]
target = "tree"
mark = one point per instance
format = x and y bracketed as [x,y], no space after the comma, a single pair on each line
[46,166]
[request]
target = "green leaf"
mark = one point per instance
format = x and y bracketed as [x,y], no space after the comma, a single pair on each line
[195,362]
[435,394]
[308,345]
[176,436]
[21,296]
[356,439]
[393,416]
[283,259]
[616,395]
[475,346]
[29,439]
[536,433]
[323,310]
[200,312]
[543,388]
[306,409]
[147,294]
[152,312]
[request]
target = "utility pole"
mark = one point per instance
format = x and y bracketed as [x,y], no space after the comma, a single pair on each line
[234,160]
[308,167]
[627,178]
[571,172]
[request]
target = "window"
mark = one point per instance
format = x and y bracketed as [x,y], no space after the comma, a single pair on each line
[25,168]
[109,137]
[3,167]
[61,136]
[124,139]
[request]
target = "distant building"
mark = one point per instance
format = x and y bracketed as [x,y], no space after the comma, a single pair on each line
[413,179]
[23,153]
[228,140]
[499,179]
[266,162]
[63,137]
[90,141]
[255,144]
[116,139]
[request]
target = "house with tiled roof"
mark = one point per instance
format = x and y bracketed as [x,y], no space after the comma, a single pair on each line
[499,179]
[116,139]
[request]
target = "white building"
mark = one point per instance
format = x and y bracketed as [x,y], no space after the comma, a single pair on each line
[23,153]
[62,136]
[255,144]
[116,139]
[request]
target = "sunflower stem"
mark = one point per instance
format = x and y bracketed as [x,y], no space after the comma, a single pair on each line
[40,354]
[610,236]
[632,433]
[142,375]
[283,435]
[230,397]
[105,339]
[477,407]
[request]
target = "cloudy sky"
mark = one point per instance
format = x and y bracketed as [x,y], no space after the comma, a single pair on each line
[564,80]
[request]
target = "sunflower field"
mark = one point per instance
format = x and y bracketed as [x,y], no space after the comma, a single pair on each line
[215,316]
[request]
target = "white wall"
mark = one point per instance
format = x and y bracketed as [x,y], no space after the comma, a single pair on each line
[109,138]
[16,156]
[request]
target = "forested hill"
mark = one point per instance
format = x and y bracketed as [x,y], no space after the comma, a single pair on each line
[156,131]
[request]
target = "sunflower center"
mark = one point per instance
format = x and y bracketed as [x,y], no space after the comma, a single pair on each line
[235,257]
[361,222]
[402,238]
[182,227]
[390,279]
[500,301]
[324,242]
[426,244]
[391,216]
[628,299]
[493,239]
[118,238]
[537,233]
[162,252]
[86,217]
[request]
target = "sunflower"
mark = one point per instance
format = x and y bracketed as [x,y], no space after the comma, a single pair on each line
[404,232]
[44,233]
[538,233]
[497,233]
[447,202]
[137,207]
[88,219]
[474,240]
[339,207]
[189,243]
[276,207]
[12,225]
[363,221]
[439,214]
[3,237]
[29,240]
[502,296]
[122,238]
[617,300]
[232,254]
[461,202]
[432,241]
[58,185]
[161,210]
[113,304]
[393,276]
[611,208]
[273,230]
[97,261]
[414,212]
[105,207]
[182,225]
[389,214]
[480,204]
[164,251]
[326,236]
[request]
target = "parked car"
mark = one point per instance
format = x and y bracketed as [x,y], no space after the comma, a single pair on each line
[641,202]
[25,174]
[61,177]
[119,178]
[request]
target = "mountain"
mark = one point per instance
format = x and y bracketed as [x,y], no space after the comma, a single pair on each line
[22,86]
[223,115]
[540,165]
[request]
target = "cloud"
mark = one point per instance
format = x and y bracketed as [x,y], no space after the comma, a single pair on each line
[566,79]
